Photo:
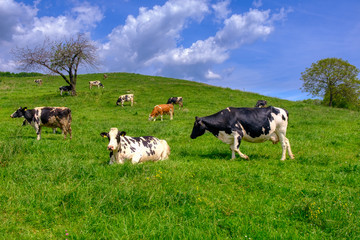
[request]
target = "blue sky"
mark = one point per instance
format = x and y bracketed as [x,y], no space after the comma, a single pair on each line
[253,45]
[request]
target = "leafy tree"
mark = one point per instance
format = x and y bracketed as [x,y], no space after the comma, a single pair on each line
[333,79]
[59,57]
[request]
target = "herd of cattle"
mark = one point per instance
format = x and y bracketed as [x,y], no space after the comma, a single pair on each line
[230,125]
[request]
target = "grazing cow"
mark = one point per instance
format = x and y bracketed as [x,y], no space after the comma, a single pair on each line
[38,81]
[105,76]
[95,83]
[256,125]
[52,117]
[261,104]
[138,149]
[161,110]
[125,98]
[176,100]
[65,89]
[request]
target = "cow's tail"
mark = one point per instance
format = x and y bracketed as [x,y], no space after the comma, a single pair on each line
[166,152]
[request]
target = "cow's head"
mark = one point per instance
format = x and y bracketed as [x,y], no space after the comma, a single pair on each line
[101,85]
[19,113]
[198,129]
[118,101]
[114,138]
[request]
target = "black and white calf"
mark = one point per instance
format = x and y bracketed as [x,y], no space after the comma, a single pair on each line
[52,117]
[137,149]
[175,100]
[125,98]
[65,89]
[95,83]
[261,104]
[256,125]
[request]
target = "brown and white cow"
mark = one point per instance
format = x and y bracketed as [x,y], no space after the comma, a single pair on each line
[161,110]
[38,81]
[137,149]
[95,83]
[176,100]
[125,98]
[52,117]
[105,76]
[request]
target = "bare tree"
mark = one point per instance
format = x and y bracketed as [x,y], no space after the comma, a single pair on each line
[59,57]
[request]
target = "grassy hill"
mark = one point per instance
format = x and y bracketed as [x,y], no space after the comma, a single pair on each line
[64,189]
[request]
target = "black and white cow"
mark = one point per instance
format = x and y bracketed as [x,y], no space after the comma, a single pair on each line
[125,98]
[138,149]
[95,83]
[38,81]
[261,104]
[175,100]
[52,117]
[65,89]
[256,125]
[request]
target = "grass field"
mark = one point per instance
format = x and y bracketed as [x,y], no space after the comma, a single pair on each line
[65,189]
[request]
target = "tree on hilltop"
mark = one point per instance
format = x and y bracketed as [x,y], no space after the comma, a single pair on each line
[60,57]
[333,79]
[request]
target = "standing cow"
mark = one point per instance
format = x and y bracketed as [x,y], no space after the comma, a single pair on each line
[161,110]
[38,81]
[256,125]
[261,104]
[65,89]
[176,100]
[52,117]
[125,98]
[137,149]
[95,83]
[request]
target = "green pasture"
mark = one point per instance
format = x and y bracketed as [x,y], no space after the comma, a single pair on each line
[65,189]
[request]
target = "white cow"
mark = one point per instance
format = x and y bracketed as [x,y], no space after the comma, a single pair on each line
[137,149]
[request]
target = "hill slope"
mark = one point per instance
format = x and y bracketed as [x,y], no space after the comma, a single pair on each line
[52,187]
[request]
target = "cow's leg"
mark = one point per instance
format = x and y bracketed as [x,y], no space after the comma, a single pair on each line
[132,102]
[285,144]
[38,131]
[171,115]
[161,117]
[54,130]
[136,158]
[61,92]
[122,103]
[235,147]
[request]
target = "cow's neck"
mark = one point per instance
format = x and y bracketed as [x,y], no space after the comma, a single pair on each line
[29,115]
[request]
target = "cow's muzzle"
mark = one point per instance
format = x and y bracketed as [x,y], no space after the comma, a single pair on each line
[110,148]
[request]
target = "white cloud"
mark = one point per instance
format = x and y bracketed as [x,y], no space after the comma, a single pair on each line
[221,9]
[153,32]
[257,3]
[20,26]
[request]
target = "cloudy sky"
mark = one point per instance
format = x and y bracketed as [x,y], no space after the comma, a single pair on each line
[259,46]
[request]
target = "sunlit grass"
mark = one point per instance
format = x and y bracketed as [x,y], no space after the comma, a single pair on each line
[54,187]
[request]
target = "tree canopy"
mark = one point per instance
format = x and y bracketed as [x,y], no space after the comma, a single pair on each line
[59,57]
[333,79]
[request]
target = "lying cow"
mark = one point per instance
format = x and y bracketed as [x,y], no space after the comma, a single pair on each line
[38,81]
[176,100]
[95,83]
[125,98]
[65,89]
[161,110]
[138,149]
[261,104]
[256,125]
[52,117]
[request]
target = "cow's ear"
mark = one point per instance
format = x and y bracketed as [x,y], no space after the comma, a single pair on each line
[122,133]
[197,118]
[104,134]
[25,108]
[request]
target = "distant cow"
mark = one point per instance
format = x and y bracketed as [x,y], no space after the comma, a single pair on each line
[261,104]
[95,83]
[176,100]
[65,89]
[256,125]
[38,81]
[105,76]
[137,149]
[161,110]
[51,117]
[125,98]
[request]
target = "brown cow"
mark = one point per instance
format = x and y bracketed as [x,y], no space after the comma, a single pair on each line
[161,110]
